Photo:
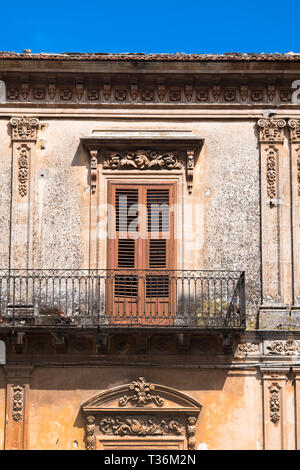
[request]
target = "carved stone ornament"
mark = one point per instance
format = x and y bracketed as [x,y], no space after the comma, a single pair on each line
[188,89]
[141,160]
[141,394]
[23,169]
[191,432]
[274,402]
[271,171]
[18,402]
[244,349]
[141,426]
[289,347]
[294,128]
[93,166]
[24,128]
[90,433]
[298,170]
[271,130]
[161,92]
[271,91]
[108,415]
[244,92]
[79,90]
[51,91]
[133,91]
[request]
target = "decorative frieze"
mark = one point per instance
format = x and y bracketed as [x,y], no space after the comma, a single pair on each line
[274,402]
[162,90]
[141,160]
[141,394]
[244,349]
[141,426]
[289,347]
[18,402]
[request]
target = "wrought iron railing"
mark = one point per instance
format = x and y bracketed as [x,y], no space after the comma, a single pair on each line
[100,298]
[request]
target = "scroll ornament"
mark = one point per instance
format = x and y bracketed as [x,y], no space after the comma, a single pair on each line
[294,128]
[271,130]
[141,394]
[24,128]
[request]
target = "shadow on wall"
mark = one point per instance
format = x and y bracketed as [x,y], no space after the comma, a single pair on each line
[2,92]
[2,353]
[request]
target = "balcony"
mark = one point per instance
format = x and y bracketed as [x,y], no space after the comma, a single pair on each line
[93,299]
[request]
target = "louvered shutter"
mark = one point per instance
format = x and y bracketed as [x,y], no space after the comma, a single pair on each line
[141,241]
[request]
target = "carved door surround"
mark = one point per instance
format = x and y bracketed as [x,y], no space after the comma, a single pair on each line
[140,415]
[136,157]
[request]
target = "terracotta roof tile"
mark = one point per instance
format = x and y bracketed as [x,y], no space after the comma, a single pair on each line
[178,57]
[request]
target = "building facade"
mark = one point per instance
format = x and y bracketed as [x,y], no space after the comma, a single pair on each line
[150,260]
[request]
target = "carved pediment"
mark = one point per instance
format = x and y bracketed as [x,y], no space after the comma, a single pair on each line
[141,410]
[141,395]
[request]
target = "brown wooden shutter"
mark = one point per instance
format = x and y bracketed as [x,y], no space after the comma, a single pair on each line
[145,244]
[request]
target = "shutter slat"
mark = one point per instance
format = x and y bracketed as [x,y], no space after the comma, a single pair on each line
[158,207]
[157,253]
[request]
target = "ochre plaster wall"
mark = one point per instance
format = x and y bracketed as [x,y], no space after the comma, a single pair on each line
[230,417]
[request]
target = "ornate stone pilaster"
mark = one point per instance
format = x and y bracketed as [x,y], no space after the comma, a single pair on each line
[275,417]
[275,210]
[94,206]
[24,133]
[17,400]
[90,433]
[294,135]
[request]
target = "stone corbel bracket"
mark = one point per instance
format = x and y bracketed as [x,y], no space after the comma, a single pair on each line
[140,153]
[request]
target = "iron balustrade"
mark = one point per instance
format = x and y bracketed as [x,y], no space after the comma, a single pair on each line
[99,298]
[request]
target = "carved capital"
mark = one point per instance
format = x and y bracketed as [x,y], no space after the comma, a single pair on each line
[294,130]
[24,128]
[271,130]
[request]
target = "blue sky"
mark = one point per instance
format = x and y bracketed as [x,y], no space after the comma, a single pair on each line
[189,26]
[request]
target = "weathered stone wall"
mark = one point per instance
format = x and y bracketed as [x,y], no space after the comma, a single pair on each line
[5,190]
[2,406]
